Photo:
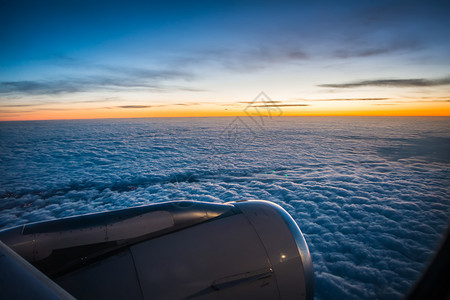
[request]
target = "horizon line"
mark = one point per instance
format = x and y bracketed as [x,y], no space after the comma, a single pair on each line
[236,116]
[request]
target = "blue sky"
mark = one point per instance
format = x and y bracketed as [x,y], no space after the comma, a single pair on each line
[210,55]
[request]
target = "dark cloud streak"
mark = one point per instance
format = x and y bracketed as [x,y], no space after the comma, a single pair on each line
[19,105]
[159,105]
[416,82]
[107,78]
[135,106]
[254,102]
[358,51]
[279,105]
[243,60]
[349,99]
[78,85]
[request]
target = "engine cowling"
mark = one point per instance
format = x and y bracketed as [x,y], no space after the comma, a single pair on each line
[173,250]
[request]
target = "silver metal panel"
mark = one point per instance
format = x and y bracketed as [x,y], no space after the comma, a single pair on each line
[220,259]
[111,278]
[286,246]
[179,250]
[36,241]
[20,280]
[36,246]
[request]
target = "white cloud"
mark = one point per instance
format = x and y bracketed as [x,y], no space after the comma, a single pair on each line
[371,202]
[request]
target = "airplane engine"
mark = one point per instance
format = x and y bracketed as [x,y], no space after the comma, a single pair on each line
[173,250]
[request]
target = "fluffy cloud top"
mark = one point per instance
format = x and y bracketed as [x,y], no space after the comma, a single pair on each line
[370,194]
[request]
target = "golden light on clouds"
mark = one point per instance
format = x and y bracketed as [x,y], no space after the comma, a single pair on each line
[320,107]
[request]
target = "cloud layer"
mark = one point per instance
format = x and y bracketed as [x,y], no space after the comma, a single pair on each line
[417,82]
[107,77]
[370,194]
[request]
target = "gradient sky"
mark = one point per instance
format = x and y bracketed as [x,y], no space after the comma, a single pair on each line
[100,59]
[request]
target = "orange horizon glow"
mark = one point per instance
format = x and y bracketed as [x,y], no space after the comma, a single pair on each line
[72,114]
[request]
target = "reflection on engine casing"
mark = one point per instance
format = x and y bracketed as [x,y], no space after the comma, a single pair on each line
[174,250]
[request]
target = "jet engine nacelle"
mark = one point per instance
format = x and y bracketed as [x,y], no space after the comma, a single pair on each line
[173,250]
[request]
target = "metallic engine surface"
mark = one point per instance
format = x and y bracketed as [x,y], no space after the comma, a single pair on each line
[173,250]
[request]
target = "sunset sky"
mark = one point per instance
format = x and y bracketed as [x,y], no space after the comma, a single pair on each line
[112,59]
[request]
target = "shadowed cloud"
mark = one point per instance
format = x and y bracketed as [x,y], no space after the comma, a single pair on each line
[161,105]
[255,102]
[70,86]
[135,106]
[370,195]
[355,49]
[108,78]
[415,82]
[38,87]
[20,105]
[243,60]
[279,105]
[349,99]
